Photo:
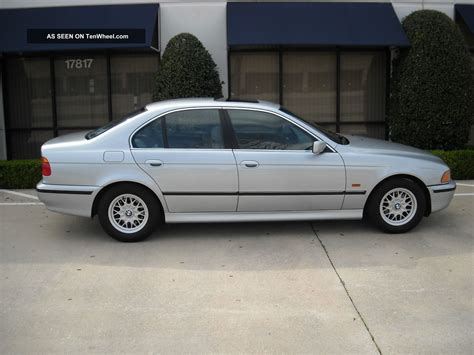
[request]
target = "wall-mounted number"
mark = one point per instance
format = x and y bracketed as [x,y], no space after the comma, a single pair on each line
[79,63]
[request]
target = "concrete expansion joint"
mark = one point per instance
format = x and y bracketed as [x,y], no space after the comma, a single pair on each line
[346,290]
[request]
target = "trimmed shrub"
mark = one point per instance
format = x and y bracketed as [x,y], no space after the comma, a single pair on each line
[19,174]
[431,102]
[461,162]
[186,70]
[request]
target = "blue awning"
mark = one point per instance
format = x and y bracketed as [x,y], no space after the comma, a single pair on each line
[25,30]
[315,23]
[466,12]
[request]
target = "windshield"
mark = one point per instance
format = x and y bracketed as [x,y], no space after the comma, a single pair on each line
[99,131]
[339,139]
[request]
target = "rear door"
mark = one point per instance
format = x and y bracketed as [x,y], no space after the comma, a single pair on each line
[185,153]
[277,168]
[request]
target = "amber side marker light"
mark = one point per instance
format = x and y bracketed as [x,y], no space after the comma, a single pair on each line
[45,167]
[446,177]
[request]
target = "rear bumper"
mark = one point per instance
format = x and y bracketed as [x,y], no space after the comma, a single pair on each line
[68,199]
[441,195]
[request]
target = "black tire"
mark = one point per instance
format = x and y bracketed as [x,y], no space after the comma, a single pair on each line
[147,198]
[374,213]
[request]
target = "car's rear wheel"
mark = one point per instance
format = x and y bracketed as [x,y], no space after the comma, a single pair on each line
[128,212]
[397,206]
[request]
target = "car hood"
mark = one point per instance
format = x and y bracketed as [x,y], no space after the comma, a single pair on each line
[380,147]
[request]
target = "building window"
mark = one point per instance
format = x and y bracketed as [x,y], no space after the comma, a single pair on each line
[29,105]
[343,91]
[254,76]
[132,79]
[471,134]
[81,91]
[51,96]
[363,93]
[29,93]
[309,86]
[26,144]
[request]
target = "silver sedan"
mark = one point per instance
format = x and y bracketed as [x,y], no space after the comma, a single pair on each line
[202,160]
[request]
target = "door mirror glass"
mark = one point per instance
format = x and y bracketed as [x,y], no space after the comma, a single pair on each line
[318,147]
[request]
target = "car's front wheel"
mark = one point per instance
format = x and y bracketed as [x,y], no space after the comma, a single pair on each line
[128,212]
[397,206]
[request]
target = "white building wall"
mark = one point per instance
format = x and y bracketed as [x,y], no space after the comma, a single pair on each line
[405,7]
[205,20]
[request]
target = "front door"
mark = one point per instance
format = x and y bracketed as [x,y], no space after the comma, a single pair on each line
[184,152]
[277,168]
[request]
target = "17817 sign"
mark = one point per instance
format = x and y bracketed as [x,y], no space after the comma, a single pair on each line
[79,63]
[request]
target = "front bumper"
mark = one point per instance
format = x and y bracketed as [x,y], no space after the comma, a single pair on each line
[441,195]
[68,199]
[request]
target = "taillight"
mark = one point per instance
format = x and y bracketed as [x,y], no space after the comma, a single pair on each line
[45,167]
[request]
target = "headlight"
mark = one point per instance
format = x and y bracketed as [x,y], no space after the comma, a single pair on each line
[446,177]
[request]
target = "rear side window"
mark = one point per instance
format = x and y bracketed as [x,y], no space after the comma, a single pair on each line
[190,129]
[198,129]
[261,130]
[150,136]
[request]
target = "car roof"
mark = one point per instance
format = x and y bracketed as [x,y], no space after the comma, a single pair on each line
[204,102]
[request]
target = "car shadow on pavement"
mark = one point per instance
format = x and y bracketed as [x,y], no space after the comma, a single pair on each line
[49,237]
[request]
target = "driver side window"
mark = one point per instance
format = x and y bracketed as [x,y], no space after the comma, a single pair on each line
[261,130]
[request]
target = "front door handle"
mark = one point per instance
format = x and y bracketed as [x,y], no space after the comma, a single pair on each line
[154,162]
[249,163]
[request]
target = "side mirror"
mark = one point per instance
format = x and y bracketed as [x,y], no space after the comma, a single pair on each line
[318,147]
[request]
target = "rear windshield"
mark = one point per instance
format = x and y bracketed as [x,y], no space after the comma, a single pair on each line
[111,124]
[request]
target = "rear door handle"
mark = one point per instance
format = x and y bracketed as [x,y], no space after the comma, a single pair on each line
[154,162]
[249,163]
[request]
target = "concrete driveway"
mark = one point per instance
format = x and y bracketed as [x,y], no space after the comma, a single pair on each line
[325,287]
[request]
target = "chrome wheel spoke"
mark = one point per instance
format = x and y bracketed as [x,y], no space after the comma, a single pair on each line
[128,213]
[398,206]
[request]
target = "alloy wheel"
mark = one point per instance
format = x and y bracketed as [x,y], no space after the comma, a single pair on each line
[128,213]
[398,206]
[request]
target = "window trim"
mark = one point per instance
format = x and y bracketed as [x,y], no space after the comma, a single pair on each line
[227,129]
[290,121]
[162,116]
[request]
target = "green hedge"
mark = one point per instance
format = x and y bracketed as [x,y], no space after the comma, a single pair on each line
[186,70]
[19,174]
[25,174]
[431,103]
[461,162]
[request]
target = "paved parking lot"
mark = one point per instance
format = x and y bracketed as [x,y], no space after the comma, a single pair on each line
[323,287]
